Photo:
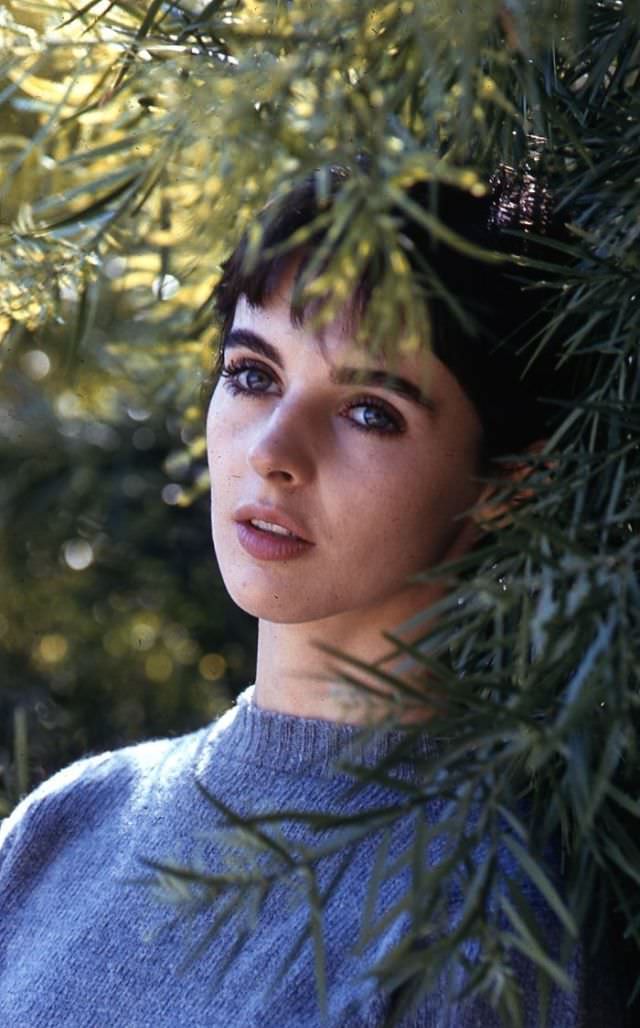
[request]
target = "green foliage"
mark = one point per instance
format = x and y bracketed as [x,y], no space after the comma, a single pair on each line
[138,141]
[114,624]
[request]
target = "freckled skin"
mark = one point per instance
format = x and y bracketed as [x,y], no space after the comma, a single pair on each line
[379,508]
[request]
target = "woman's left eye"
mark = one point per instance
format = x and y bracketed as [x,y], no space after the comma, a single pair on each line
[383,420]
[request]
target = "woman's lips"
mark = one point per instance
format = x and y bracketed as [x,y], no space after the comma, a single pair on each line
[264,545]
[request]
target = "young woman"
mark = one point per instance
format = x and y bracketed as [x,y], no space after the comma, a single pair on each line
[335,478]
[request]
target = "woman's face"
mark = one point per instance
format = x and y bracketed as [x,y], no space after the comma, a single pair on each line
[375,480]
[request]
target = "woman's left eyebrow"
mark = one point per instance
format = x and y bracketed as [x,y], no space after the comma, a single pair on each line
[340,376]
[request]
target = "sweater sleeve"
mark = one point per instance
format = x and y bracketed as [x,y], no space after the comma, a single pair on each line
[33,832]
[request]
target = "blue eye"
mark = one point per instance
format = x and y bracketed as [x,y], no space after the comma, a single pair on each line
[370,403]
[232,373]
[384,420]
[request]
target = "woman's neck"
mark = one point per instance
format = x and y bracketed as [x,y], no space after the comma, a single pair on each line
[295,676]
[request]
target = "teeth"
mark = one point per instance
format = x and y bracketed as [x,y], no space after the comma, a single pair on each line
[267,526]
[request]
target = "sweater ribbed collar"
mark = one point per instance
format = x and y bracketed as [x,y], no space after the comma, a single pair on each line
[251,735]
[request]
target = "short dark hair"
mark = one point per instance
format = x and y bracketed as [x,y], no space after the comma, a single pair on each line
[514,386]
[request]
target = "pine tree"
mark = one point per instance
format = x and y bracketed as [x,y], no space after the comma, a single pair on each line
[151,135]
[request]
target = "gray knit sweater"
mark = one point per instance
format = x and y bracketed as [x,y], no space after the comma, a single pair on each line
[90,939]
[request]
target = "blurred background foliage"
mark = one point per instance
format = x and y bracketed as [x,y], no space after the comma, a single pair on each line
[137,141]
[114,621]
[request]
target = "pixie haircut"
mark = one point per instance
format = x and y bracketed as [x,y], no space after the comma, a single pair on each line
[516,386]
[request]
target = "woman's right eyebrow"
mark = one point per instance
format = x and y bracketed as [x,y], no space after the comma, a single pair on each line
[244,337]
[252,341]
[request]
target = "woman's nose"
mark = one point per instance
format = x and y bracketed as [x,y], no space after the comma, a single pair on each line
[282,443]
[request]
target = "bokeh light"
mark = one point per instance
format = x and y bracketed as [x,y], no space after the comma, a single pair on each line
[78,554]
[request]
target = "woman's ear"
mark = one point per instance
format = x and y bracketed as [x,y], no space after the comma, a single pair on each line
[508,490]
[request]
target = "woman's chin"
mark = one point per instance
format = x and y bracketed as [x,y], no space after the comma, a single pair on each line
[285,607]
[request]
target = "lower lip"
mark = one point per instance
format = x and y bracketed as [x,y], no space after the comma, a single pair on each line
[268,545]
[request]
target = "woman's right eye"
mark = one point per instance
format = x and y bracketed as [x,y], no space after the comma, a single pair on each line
[233,371]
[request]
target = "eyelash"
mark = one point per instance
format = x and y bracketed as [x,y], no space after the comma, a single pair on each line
[234,368]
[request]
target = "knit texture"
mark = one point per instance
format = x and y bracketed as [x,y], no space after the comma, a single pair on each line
[91,938]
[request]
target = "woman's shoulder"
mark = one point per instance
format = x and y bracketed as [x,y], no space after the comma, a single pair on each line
[95,787]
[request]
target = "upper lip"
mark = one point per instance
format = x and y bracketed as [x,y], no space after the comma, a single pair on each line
[264,512]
